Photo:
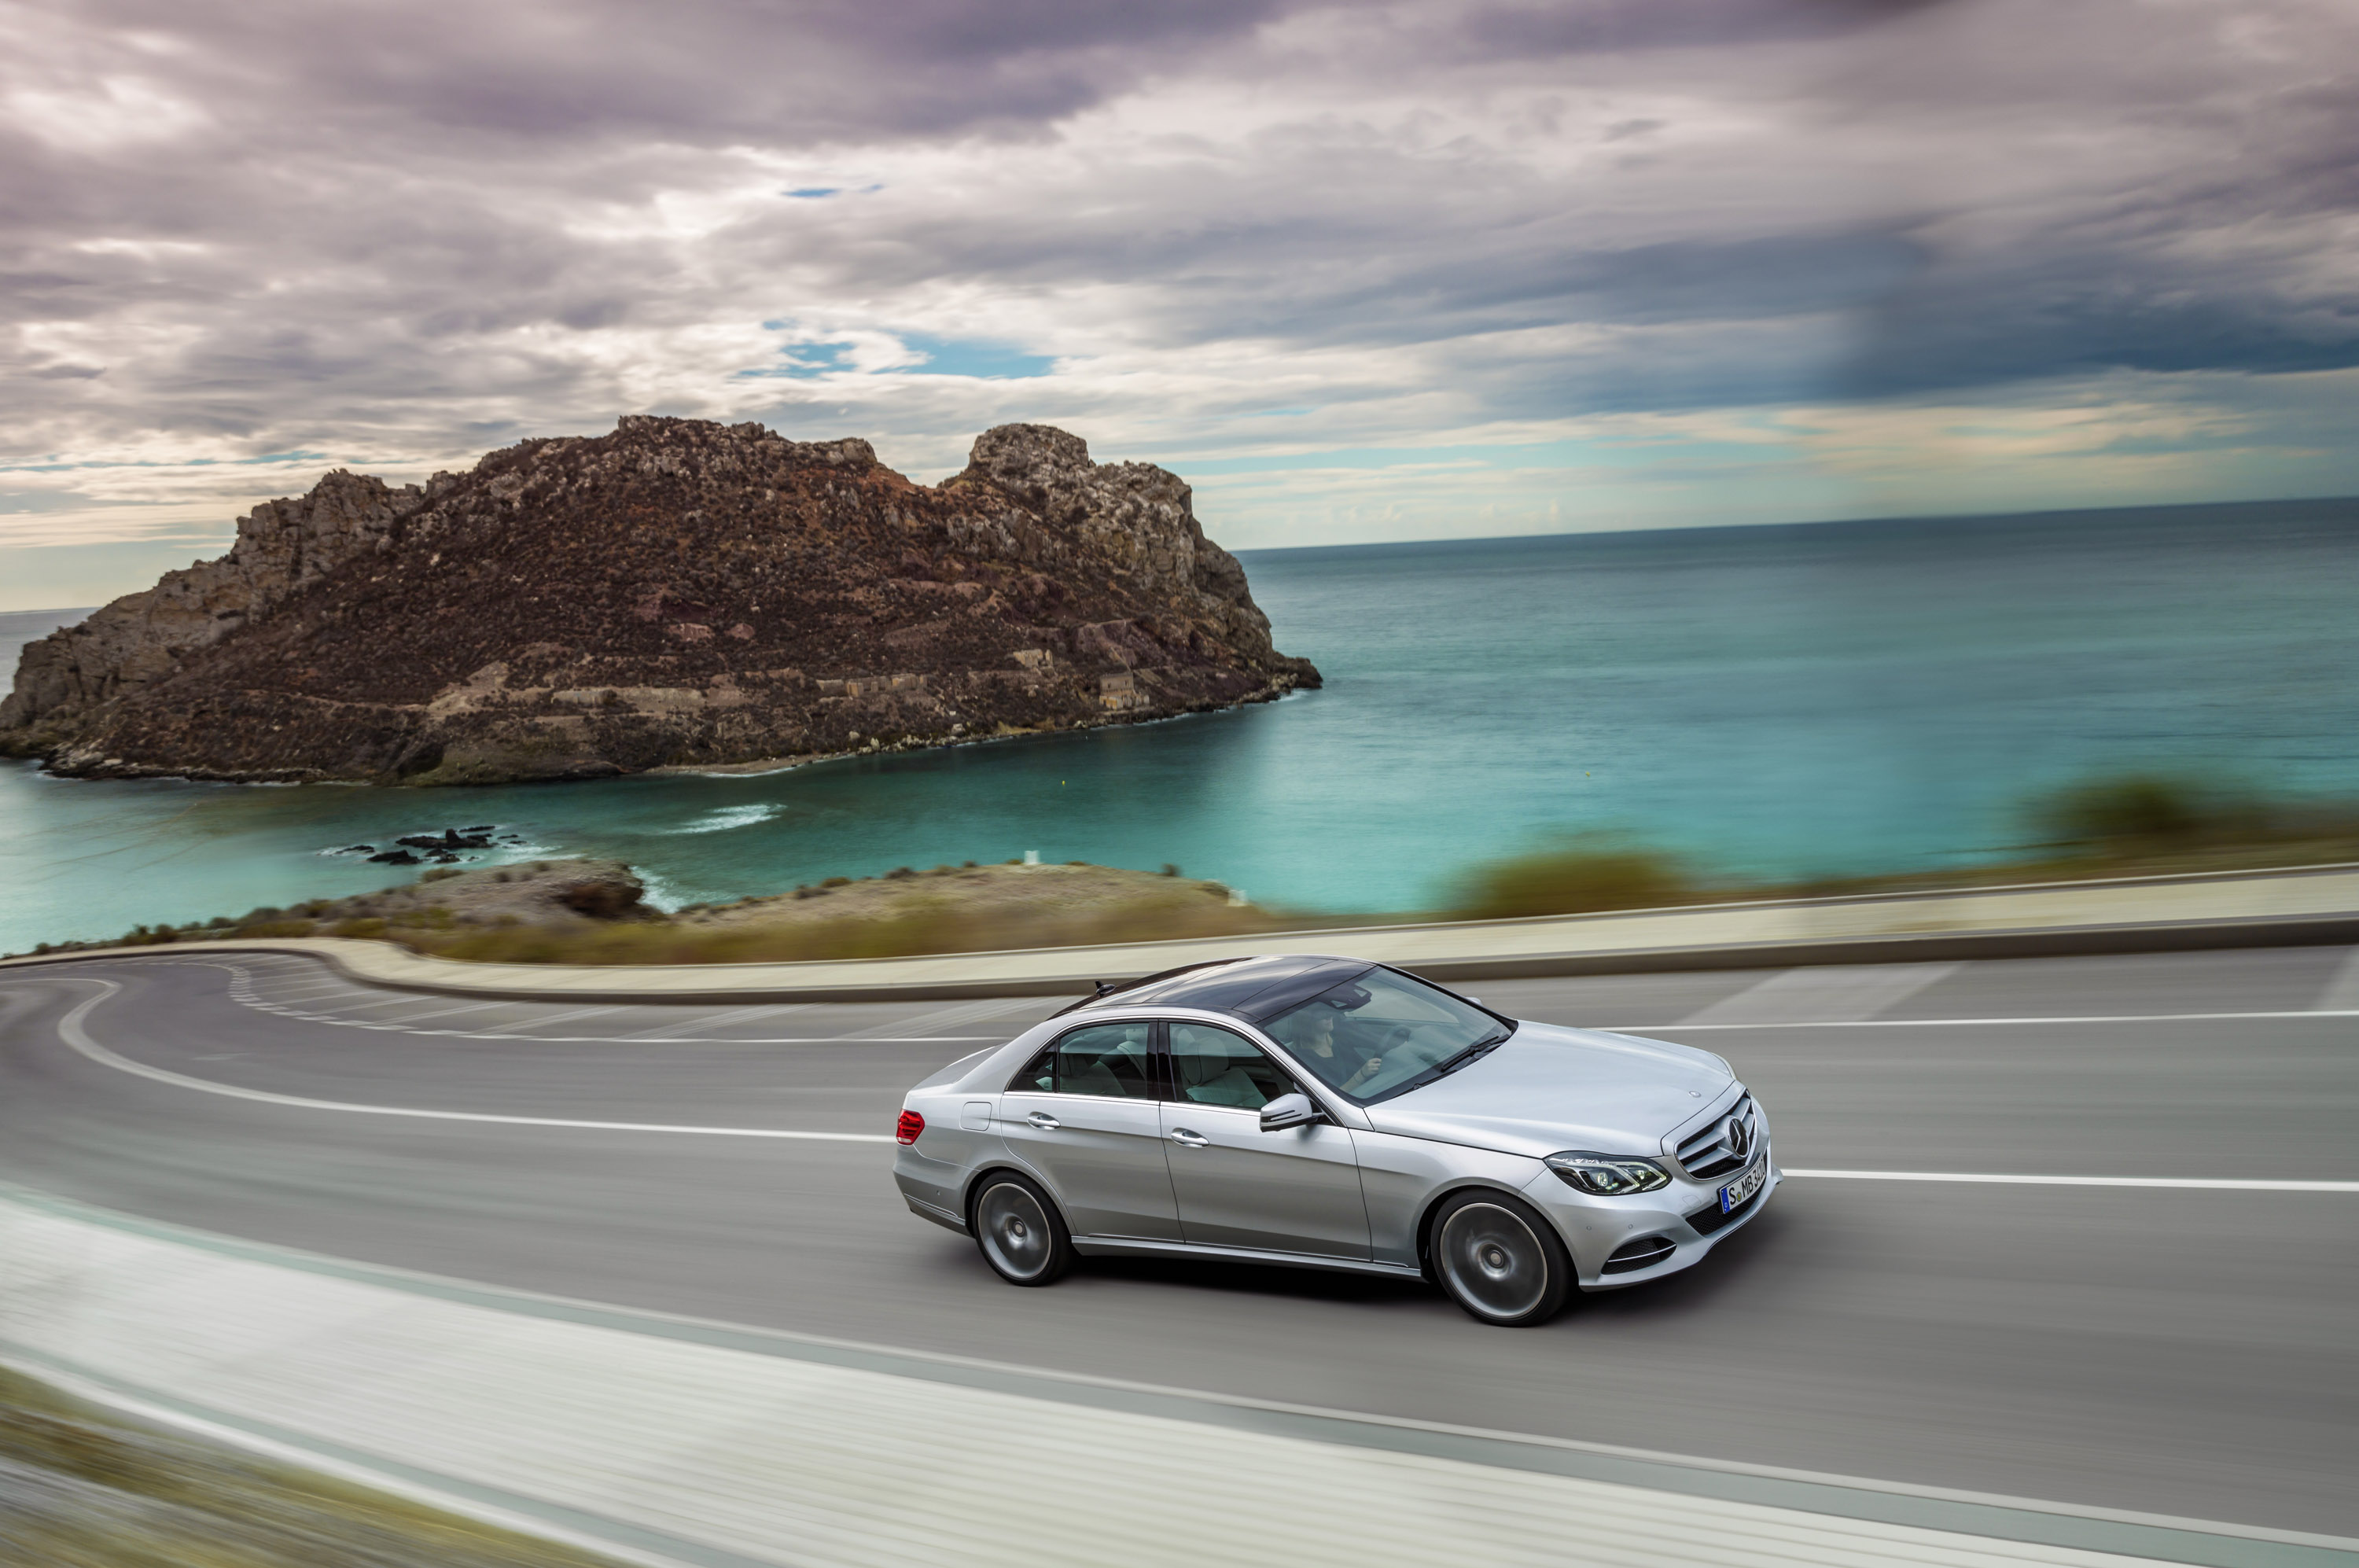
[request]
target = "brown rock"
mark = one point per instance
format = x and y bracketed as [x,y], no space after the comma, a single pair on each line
[557,612]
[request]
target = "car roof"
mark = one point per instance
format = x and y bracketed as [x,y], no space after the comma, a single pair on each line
[1250,988]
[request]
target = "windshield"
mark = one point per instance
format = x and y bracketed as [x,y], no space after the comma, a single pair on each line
[1381,1032]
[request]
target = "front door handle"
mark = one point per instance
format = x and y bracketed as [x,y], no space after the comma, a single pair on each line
[1044,1121]
[1186,1140]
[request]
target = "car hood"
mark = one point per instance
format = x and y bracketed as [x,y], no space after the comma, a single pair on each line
[1550,1088]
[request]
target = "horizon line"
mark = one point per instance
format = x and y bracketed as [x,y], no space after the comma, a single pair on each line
[1822,523]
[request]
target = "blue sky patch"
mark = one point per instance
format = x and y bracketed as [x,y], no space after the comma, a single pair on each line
[970,356]
[943,356]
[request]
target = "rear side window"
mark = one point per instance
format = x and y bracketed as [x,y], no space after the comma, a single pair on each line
[1039,1075]
[1109,1060]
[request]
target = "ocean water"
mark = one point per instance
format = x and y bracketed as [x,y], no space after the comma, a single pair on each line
[1768,701]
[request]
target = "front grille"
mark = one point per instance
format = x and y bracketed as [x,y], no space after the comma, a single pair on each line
[1725,1146]
[1642,1253]
[1709,1218]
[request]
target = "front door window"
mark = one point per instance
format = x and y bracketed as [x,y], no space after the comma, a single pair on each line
[1212,1066]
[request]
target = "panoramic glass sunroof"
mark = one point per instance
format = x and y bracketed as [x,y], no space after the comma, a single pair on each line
[1238,987]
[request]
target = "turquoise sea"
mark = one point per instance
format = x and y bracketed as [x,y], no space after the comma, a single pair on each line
[1781,700]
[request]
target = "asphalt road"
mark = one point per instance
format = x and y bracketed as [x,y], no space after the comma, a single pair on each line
[2181,1350]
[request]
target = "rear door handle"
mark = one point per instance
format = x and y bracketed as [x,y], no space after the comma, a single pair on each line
[1186,1140]
[1044,1121]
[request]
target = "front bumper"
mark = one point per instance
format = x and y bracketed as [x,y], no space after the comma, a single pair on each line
[1685,1215]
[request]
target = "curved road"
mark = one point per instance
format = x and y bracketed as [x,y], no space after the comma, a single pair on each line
[2179,1349]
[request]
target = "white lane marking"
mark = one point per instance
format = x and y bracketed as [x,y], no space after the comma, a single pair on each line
[311,992]
[2342,993]
[2312,1015]
[2227,1184]
[241,990]
[438,1013]
[70,1030]
[965,1013]
[502,1032]
[322,1011]
[1853,993]
[740,1015]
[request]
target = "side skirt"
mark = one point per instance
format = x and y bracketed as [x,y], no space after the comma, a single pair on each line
[1130,1246]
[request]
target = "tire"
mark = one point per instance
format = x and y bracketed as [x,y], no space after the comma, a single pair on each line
[1499,1260]
[1022,1236]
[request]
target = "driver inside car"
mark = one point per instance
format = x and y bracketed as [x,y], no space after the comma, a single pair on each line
[1312,1036]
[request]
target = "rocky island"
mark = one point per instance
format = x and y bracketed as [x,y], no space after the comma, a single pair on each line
[676,593]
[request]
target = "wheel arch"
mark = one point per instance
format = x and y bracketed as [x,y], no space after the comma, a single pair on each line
[975,1184]
[1431,1210]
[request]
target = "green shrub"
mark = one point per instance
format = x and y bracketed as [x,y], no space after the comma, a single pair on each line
[1572,879]
[2140,814]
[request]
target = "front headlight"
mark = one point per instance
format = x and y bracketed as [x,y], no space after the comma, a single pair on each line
[1608,1175]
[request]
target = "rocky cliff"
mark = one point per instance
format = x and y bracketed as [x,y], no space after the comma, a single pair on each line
[677,592]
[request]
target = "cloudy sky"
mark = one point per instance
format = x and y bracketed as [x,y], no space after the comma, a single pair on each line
[1361,271]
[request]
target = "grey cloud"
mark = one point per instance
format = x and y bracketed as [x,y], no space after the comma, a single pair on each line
[429,225]
[1591,26]
[700,69]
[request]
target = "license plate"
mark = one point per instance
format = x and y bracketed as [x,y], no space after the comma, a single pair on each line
[1734,1195]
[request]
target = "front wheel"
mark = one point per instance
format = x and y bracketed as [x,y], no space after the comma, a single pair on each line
[1500,1260]
[1022,1236]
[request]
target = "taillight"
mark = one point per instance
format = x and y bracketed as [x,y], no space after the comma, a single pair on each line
[908,1129]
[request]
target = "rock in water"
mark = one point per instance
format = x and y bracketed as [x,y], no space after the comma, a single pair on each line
[677,592]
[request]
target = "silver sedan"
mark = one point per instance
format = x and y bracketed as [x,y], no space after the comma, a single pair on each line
[1331,1113]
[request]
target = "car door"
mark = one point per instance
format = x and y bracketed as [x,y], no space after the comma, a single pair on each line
[1083,1113]
[1296,1190]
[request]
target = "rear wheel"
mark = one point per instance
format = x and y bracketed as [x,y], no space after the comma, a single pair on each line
[1500,1260]
[1022,1236]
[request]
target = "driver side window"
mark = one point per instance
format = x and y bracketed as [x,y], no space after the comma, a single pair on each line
[1212,1066]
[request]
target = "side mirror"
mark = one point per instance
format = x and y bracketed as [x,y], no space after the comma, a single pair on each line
[1290,1111]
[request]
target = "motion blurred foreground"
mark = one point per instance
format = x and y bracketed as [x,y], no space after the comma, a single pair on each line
[84,1485]
[698,1444]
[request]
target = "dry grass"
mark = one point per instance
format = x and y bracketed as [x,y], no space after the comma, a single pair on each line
[947,909]
[82,1487]
[1574,877]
